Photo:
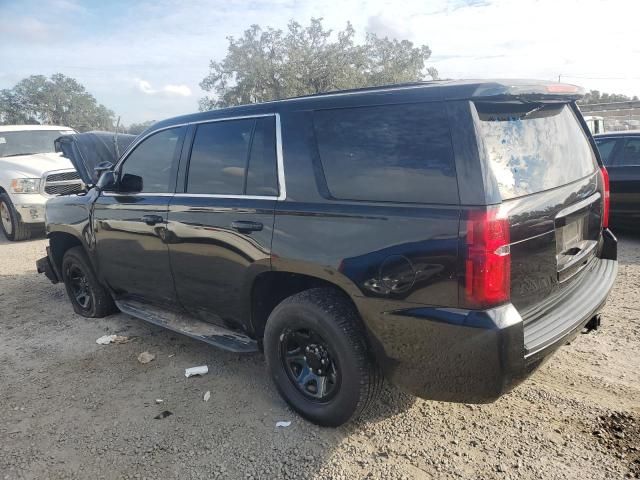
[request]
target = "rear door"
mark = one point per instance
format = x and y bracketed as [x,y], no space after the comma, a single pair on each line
[548,180]
[221,222]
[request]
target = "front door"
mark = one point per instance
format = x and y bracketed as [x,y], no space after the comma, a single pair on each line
[221,224]
[130,223]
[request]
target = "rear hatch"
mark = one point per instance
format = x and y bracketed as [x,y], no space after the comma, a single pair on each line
[552,196]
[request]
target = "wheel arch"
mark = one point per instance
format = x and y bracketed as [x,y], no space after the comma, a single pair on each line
[272,287]
[59,243]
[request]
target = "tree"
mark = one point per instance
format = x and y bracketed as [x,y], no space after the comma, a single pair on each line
[594,96]
[270,64]
[138,128]
[58,100]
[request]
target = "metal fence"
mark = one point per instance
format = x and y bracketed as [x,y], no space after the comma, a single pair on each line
[616,115]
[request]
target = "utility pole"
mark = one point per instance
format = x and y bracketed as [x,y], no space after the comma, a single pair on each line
[559,76]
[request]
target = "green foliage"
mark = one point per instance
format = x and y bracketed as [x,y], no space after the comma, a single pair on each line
[270,64]
[138,128]
[594,96]
[58,100]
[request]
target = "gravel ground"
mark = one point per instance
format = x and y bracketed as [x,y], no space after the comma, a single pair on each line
[73,409]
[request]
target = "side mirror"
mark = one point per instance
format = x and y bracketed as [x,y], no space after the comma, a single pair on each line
[102,167]
[106,181]
[130,183]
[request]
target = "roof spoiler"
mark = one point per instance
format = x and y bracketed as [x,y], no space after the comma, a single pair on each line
[547,91]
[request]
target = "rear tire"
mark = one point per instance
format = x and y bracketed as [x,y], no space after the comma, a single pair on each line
[88,297]
[13,228]
[317,355]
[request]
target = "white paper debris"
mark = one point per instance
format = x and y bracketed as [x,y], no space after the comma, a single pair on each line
[146,357]
[283,424]
[190,372]
[207,396]
[159,401]
[107,339]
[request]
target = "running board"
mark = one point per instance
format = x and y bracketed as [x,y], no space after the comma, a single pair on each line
[215,335]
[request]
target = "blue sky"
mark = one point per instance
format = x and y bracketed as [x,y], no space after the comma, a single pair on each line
[145,59]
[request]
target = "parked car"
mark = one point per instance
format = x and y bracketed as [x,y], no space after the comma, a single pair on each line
[30,173]
[620,152]
[450,235]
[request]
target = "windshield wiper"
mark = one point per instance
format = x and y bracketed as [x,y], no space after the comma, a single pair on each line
[18,154]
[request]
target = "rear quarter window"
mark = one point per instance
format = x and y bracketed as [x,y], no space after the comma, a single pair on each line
[533,147]
[388,153]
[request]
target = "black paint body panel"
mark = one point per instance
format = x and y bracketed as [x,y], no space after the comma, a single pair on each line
[402,265]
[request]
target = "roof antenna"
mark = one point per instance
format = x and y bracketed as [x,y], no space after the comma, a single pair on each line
[115,139]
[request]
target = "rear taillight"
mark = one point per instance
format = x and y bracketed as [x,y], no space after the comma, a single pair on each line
[606,197]
[488,262]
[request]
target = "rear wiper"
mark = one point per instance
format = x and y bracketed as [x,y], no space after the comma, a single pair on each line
[18,154]
[531,112]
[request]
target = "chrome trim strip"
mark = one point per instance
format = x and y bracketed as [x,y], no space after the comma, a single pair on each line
[578,206]
[279,160]
[112,194]
[208,195]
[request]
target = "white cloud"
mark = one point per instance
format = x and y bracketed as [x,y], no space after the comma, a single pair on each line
[170,90]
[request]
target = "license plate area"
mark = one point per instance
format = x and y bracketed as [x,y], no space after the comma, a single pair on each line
[573,249]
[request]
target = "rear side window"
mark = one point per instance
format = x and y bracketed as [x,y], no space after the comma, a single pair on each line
[533,147]
[224,151]
[388,153]
[606,146]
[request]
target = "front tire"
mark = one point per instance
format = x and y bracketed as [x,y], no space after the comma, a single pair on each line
[88,297]
[317,355]
[13,228]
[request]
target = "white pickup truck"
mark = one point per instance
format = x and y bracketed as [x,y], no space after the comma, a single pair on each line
[31,173]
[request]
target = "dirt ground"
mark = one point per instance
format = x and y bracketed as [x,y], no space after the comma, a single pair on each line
[70,408]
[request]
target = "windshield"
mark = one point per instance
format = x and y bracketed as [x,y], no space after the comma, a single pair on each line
[29,141]
[533,147]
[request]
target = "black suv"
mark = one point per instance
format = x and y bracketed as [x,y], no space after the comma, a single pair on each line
[449,234]
[620,152]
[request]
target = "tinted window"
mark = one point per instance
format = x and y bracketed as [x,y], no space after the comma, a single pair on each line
[631,153]
[606,146]
[533,147]
[219,157]
[263,177]
[153,161]
[389,153]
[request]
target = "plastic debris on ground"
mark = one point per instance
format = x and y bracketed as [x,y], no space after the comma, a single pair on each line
[159,401]
[162,415]
[207,396]
[107,339]
[283,424]
[146,357]
[190,372]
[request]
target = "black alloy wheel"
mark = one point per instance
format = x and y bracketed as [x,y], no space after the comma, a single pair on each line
[309,364]
[79,286]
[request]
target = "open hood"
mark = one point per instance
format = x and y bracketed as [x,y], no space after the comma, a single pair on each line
[86,150]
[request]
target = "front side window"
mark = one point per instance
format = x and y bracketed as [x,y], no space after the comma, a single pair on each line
[153,160]
[387,153]
[223,152]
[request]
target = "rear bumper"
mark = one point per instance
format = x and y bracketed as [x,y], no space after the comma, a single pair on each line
[475,356]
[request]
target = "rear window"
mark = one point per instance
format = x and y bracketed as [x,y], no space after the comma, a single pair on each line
[388,153]
[533,147]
